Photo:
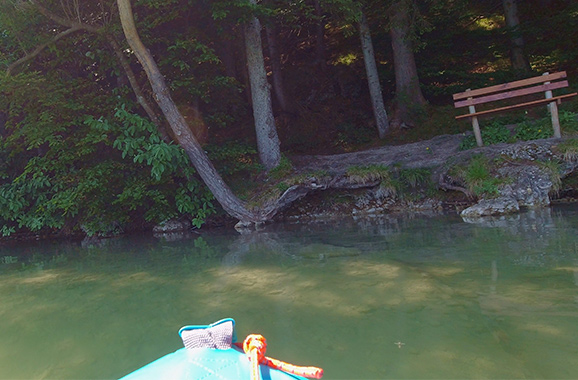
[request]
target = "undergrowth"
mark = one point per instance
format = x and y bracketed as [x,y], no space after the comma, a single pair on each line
[496,131]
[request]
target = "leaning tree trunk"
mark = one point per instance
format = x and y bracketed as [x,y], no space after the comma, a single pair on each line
[268,143]
[373,78]
[517,56]
[232,205]
[409,98]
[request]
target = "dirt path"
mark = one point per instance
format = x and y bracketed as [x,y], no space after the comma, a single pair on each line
[436,152]
[426,153]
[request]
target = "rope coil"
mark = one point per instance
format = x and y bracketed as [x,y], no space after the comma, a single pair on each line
[255,346]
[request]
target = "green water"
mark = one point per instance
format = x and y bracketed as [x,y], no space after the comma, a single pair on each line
[392,298]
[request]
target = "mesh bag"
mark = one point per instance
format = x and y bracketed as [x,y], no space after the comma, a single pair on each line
[219,335]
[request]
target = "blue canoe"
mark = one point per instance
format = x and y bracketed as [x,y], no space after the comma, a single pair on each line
[205,363]
[209,353]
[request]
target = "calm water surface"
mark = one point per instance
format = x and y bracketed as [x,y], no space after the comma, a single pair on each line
[395,298]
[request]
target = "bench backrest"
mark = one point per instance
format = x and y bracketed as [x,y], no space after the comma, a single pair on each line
[510,90]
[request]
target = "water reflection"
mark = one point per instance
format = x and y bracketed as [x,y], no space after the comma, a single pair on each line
[378,298]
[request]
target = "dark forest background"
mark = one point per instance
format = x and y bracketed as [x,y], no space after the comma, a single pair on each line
[84,147]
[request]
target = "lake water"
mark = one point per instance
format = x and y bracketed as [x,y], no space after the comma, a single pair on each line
[394,298]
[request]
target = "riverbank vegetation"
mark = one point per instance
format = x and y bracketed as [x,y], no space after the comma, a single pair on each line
[116,118]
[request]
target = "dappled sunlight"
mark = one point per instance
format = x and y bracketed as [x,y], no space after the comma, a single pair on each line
[41,279]
[542,328]
[573,269]
[418,290]
[326,251]
[130,279]
[523,300]
[374,270]
[444,271]
[489,23]
[360,286]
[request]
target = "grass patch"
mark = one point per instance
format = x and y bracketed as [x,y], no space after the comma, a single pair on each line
[284,169]
[477,176]
[415,177]
[569,150]
[554,172]
[369,173]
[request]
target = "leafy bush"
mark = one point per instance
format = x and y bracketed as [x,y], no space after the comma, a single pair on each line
[533,130]
[172,188]
[66,169]
[568,121]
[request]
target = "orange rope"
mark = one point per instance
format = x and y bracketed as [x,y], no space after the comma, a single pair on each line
[255,346]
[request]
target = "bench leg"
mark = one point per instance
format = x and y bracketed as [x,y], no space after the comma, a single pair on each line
[553,108]
[477,133]
[555,120]
[475,124]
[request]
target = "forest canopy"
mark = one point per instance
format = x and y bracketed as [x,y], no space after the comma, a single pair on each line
[86,143]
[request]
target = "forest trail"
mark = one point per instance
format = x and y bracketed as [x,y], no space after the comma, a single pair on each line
[420,154]
[436,152]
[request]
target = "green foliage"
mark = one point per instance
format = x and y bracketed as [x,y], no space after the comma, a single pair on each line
[525,130]
[140,141]
[68,169]
[568,121]
[71,155]
[534,130]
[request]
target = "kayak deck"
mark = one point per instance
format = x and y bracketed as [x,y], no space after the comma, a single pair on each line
[205,363]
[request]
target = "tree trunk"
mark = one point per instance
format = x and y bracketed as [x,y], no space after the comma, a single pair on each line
[320,38]
[517,56]
[373,78]
[268,143]
[232,205]
[278,85]
[409,98]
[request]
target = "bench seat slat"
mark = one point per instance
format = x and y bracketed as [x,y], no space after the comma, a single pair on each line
[511,85]
[522,105]
[511,94]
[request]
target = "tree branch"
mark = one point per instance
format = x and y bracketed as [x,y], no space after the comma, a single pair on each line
[78,25]
[39,49]
[140,97]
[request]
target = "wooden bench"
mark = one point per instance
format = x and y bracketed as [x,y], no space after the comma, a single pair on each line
[516,91]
